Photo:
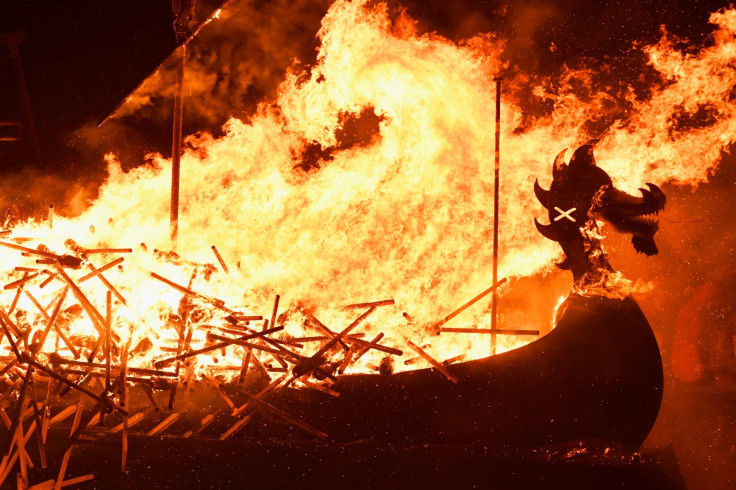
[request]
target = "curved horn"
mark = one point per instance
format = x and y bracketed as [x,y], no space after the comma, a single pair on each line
[584,155]
[542,194]
[546,230]
[559,166]
[657,194]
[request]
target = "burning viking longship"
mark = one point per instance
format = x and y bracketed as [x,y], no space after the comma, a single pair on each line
[597,377]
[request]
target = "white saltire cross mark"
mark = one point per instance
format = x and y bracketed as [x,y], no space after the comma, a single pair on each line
[565,214]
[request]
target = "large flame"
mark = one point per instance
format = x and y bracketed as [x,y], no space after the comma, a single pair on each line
[403,211]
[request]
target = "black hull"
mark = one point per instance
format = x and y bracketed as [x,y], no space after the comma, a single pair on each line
[596,376]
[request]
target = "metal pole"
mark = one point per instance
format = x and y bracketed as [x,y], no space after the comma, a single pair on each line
[176,146]
[494,300]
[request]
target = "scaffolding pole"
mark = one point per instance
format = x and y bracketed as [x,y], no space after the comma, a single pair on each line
[494,300]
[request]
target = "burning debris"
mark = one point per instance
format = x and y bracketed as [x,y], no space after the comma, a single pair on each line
[61,352]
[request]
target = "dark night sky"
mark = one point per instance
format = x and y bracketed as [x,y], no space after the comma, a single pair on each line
[83,56]
[80,58]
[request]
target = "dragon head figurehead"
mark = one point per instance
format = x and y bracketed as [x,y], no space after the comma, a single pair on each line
[581,193]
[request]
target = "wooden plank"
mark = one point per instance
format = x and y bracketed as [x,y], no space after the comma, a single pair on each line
[165,424]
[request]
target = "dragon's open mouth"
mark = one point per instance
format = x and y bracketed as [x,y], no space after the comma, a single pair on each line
[629,214]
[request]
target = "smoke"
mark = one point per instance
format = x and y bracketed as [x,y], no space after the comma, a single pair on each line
[29,192]
[235,62]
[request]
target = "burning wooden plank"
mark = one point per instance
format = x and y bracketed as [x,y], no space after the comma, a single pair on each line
[68,453]
[375,345]
[188,373]
[7,325]
[107,284]
[32,251]
[149,394]
[200,426]
[94,375]
[506,331]
[259,367]
[224,343]
[24,458]
[246,318]
[469,304]
[8,460]
[26,269]
[46,413]
[441,368]
[312,338]
[237,412]
[322,327]
[38,421]
[216,384]
[56,359]
[50,484]
[219,259]
[289,418]
[131,421]
[20,282]
[217,303]
[18,292]
[98,321]
[108,327]
[346,360]
[8,367]
[56,327]
[125,424]
[48,280]
[370,304]
[100,270]
[236,427]
[365,348]
[244,366]
[307,365]
[108,250]
[165,424]
[320,387]
[77,387]
[454,359]
[63,415]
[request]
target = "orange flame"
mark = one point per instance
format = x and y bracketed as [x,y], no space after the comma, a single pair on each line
[406,213]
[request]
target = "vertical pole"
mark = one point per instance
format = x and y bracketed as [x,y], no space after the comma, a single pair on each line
[183,19]
[494,301]
[176,145]
[12,41]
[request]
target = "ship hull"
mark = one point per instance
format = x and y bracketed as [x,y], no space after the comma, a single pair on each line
[596,376]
